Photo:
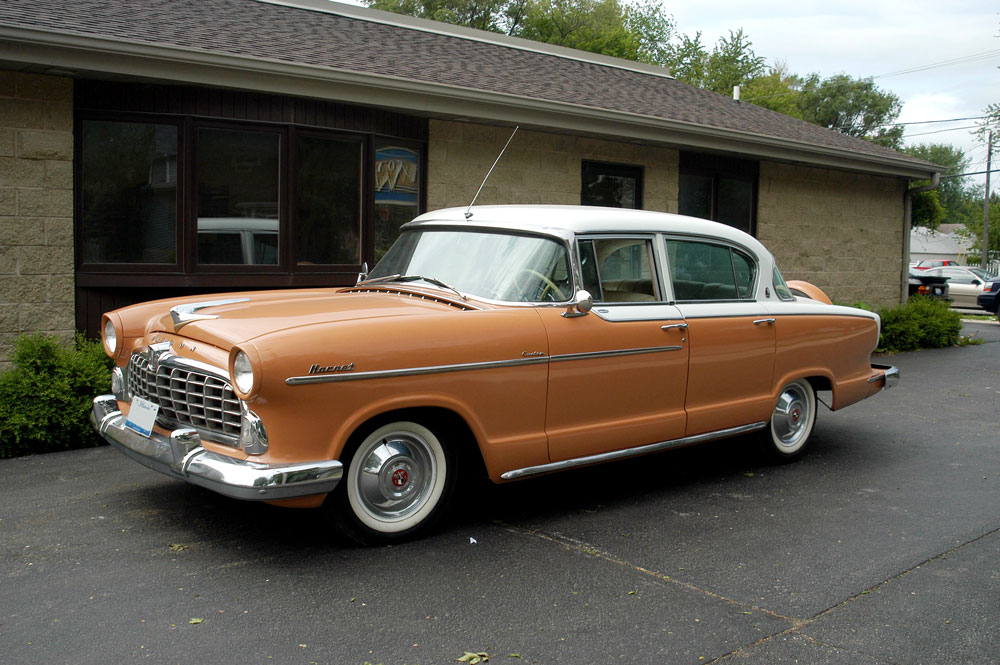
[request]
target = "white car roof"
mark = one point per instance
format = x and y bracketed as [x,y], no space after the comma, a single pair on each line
[569,221]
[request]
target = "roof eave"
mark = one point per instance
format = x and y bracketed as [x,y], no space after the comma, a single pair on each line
[105,56]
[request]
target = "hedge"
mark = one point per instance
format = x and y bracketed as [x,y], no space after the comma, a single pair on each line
[46,397]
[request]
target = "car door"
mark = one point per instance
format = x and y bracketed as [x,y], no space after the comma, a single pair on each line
[618,375]
[731,335]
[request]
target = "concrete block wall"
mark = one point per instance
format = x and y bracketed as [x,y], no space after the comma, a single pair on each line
[841,231]
[36,207]
[538,167]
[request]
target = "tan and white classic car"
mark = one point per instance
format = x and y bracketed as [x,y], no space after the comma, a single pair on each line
[517,339]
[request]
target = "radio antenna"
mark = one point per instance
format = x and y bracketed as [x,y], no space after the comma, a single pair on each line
[468,211]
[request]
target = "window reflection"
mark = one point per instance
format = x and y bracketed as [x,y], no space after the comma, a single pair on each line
[327,201]
[237,173]
[128,192]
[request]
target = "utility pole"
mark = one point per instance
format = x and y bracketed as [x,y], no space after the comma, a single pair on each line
[986,203]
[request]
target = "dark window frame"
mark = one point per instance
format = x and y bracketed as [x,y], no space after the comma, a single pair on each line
[718,168]
[78,206]
[185,272]
[591,169]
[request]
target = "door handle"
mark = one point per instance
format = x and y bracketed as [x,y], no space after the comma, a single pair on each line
[679,326]
[760,321]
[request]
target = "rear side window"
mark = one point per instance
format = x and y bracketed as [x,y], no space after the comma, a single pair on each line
[706,271]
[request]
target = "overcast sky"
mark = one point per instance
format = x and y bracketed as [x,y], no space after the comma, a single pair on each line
[877,38]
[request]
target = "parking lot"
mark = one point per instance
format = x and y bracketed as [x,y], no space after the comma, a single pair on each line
[881,546]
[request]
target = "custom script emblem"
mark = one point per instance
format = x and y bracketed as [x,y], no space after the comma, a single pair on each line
[323,369]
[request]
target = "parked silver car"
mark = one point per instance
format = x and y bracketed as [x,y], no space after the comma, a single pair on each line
[964,283]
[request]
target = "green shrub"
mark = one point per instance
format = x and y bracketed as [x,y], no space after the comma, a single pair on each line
[46,397]
[922,323]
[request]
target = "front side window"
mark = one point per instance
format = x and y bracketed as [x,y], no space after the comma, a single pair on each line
[495,266]
[706,271]
[128,192]
[238,179]
[618,269]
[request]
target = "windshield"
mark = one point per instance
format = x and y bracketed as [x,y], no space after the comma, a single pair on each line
[490,265]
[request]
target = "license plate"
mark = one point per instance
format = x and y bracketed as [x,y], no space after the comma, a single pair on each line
[141,416]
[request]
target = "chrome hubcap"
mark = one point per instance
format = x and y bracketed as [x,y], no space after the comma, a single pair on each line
[791,416]
[396,476]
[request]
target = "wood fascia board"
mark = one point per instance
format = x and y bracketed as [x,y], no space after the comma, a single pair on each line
[108,56]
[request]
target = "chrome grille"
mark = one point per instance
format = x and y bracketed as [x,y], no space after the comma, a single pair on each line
[187,397]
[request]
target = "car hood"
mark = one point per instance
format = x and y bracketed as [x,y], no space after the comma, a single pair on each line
[230,319]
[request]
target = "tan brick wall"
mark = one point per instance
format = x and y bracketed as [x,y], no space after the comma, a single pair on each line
[538,167]
[36,206]
[840,231]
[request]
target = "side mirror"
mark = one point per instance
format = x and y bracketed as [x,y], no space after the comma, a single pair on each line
[582,303]
[976,282]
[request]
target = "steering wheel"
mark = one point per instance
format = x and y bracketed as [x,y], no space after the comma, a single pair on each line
[550,286]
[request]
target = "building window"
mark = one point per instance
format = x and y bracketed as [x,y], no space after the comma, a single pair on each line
[237,176]
[611,185]
[328,200]
[128,198]
[397,191]
[723,190]
[134,175]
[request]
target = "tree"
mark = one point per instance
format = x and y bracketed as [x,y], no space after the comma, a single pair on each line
[638,30]
[777,90]
[955,196]
[974,227]
[856,107]
[492,15]
[597,26]
[927,210]
[732,62]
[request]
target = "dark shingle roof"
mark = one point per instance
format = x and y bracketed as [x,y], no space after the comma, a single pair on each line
[305,36]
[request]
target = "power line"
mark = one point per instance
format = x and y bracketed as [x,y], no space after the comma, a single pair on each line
[927,122]
[985,55]
[959,175]
[941,131]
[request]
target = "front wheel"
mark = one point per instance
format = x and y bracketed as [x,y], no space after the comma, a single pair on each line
[791,423]
[398,482]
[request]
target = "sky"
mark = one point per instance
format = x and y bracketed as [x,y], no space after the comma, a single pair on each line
[878,38]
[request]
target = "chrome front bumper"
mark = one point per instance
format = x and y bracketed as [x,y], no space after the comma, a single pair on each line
[891,376]
[182,456]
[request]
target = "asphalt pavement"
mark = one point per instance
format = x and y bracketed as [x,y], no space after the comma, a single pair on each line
[882,546]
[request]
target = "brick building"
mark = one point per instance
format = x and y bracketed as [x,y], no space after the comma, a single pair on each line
[183,146]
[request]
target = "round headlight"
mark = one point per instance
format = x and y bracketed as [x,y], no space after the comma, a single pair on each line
[110,336]
[243,373]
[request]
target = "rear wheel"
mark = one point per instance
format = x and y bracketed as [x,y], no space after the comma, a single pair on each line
[792,421]
[398,482]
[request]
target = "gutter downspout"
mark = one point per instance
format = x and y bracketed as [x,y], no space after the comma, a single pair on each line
[904,284]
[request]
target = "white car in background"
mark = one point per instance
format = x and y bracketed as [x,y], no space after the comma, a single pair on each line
[965,283]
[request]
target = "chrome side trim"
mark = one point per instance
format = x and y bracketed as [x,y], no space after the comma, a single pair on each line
[412,371]
[181,456]
[630,452]
[465,367]
[613,353]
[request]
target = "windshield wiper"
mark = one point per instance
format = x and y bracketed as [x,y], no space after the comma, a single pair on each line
[412,278]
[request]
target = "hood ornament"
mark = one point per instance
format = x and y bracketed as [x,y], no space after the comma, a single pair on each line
[185,314]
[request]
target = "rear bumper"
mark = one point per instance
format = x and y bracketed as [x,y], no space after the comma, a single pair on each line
[886,374]
[181,456]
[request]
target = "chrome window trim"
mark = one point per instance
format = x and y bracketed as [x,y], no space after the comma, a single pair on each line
[465,367]
[630,452]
